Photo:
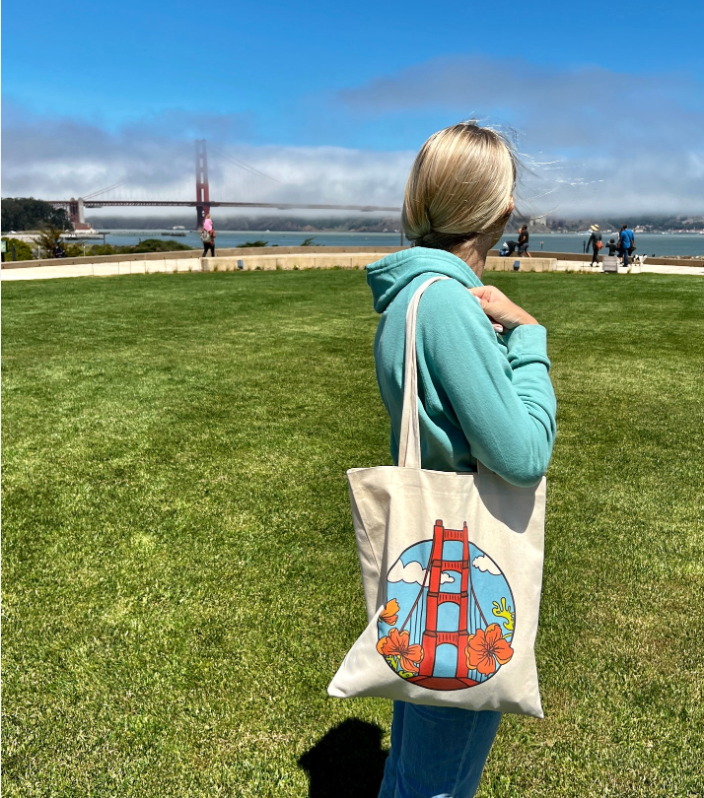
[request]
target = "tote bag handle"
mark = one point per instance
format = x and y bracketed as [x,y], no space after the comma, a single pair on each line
[409,442]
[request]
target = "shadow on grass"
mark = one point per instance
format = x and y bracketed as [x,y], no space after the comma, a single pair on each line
[347,763]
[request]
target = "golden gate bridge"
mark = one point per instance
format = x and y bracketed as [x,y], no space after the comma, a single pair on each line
[75,208]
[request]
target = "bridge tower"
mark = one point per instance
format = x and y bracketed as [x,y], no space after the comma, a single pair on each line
[75,210]
[432,638]
[202,186]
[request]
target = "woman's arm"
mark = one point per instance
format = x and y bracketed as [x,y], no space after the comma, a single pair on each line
[504,403]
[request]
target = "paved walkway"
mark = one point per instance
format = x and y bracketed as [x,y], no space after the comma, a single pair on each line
[102,270]
[570,265]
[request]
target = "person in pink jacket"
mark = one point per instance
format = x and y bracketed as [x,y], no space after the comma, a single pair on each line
[208,237]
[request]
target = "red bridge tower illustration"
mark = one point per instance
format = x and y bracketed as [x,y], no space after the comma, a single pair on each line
[471,616]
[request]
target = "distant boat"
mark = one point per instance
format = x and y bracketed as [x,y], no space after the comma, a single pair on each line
[178,227]
[82,235]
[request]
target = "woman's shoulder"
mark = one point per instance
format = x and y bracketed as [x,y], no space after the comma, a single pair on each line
[447,304]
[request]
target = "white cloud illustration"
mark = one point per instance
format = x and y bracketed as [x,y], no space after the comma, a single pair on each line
[485,563]
[414,572]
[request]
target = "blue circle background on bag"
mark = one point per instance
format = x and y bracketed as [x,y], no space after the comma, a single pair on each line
[449,617]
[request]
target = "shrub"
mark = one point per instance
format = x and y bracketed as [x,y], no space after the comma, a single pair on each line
[157,245]
[22,249]
[49,240]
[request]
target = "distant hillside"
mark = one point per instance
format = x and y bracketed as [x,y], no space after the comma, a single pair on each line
[643,224]
[278,224]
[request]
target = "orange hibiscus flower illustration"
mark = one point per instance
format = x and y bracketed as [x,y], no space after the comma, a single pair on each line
[397,644]
[486,648]
[390,613]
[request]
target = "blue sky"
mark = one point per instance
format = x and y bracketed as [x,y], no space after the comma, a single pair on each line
[607,99]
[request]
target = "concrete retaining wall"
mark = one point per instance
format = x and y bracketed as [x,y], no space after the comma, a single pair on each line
[285,258]
[192,254]
[578,256]
[497,264]
[167,259]
[307,260]
[347,260]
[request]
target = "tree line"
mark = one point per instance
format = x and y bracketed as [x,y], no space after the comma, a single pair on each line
[27,213]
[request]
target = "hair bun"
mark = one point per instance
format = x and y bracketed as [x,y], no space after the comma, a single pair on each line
[462,183]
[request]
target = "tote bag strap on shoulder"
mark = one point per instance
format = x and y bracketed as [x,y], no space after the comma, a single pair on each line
[409,442]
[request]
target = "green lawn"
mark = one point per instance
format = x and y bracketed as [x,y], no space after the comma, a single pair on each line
[179,569]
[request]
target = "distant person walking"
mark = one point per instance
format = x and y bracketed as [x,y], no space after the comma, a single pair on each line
[595,243]
[523,239]
[208,237]
[626,243]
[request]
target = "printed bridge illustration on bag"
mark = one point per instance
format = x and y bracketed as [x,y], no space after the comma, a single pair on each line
[458,613]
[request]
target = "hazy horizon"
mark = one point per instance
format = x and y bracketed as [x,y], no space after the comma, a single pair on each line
[311,217]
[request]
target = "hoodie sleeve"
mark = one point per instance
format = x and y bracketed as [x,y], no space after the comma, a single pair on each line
[503,401]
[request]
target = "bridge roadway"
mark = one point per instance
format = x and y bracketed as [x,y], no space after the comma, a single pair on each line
[282,206]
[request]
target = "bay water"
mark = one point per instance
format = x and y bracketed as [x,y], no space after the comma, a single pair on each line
[653,244]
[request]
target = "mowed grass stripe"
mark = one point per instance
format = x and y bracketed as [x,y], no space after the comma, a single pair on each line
[180,575]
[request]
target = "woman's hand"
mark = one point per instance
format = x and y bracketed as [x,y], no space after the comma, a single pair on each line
[501,311]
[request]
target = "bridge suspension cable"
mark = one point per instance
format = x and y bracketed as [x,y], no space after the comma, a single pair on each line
[103,190]
[244,165]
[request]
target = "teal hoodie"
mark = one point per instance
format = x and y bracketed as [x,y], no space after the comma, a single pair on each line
[483,396]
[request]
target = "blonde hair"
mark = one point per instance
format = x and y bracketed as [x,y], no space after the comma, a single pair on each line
[460,186]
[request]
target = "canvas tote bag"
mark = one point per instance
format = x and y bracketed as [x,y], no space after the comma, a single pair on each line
[452,570]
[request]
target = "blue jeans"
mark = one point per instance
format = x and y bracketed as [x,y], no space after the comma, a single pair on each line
[437,752]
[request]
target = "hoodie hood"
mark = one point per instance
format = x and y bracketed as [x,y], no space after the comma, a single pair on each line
[393,273]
